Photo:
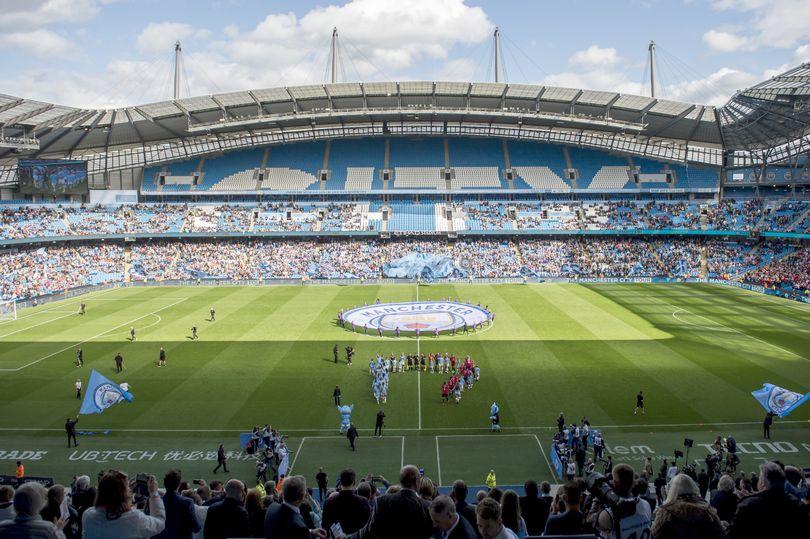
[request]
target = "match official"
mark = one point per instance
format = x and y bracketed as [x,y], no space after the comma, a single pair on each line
[119,362]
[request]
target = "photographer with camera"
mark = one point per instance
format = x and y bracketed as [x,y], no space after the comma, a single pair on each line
[616,513]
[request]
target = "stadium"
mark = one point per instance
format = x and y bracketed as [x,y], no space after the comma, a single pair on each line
[569,248]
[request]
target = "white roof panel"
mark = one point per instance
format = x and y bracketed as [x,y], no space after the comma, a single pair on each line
[669,108]
[452,88]
[523,91]
[234,99]
[23,108]
[487,89]
[197,104]
[380,88]
[564,95]
[272,95]
[313,91]
[160,110]
[632,102]
[592,97]
[416,88]
[345,89]
[49,115]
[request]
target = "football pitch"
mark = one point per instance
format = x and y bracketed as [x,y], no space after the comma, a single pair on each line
[697,351]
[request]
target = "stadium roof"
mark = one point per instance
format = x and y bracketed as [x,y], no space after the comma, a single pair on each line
[63,129]
[769,114]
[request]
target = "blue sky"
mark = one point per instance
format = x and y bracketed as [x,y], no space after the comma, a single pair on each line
[105,53]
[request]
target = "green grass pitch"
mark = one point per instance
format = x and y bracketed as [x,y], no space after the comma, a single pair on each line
[697,351]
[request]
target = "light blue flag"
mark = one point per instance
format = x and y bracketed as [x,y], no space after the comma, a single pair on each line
[101,393]
[779,400]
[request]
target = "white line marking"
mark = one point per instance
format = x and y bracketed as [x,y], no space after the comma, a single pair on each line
[92,338]
[37,325]
[295,458]
[553,473]
[728,327]
[419,371]
[438,461]
[60,303]
[153,324]
[681,320]
[438,429]
[402,458]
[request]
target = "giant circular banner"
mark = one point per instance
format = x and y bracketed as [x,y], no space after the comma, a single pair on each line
[424,316]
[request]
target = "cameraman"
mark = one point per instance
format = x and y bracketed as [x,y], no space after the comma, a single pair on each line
[616,514]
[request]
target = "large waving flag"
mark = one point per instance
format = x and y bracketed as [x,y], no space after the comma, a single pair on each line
[779,400]
[102,393]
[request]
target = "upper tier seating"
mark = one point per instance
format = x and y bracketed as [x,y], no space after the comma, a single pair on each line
[540,178]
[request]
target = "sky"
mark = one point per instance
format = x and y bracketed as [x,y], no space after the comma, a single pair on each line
[112,53]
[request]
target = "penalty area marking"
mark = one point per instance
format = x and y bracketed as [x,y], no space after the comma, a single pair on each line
[492,436]
[78,299]
[735,330]
[153,324]
[93,337]
[26,328]
[335,437]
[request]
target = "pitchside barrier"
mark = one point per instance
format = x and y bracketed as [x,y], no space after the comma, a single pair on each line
[78,291]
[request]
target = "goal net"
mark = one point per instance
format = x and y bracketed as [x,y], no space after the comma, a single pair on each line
[8,310]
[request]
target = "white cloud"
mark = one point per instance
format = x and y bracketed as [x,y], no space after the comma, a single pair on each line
[772,23]
[595,56]
[610,75]
[26,14]
[41,43]
[721,41]
[160,36]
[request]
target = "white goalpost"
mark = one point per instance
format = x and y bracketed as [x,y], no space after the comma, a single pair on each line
[8,310]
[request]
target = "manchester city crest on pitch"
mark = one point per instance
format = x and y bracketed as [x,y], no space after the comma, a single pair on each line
[422,316]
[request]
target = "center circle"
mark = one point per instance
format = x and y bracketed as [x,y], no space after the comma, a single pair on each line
[408,317]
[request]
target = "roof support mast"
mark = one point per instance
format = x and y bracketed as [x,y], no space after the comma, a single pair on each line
[497,37]
[651,48]
[334,54]
[177,51]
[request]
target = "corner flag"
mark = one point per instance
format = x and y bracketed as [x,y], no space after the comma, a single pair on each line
[779,400]
[102,393]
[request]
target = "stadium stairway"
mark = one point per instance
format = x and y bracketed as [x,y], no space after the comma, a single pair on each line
[127,263]
[798,221]
[657,257]
[704,262]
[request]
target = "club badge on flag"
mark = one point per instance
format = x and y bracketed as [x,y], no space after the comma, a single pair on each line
[779,400]
[102,393]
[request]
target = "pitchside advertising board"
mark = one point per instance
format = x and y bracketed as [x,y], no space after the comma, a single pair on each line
[425,316]
[52,177]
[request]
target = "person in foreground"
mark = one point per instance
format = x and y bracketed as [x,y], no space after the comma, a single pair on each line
[284,520]
[400,515]
[685,513]
[29,500]
[228,517]
[450,524]
[771,512]
[571,521]
[490,525]
[114,516]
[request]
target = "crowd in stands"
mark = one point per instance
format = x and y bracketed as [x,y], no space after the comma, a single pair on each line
[36,272]
[31,272]
[791,273]
[728,214]
[673,502]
